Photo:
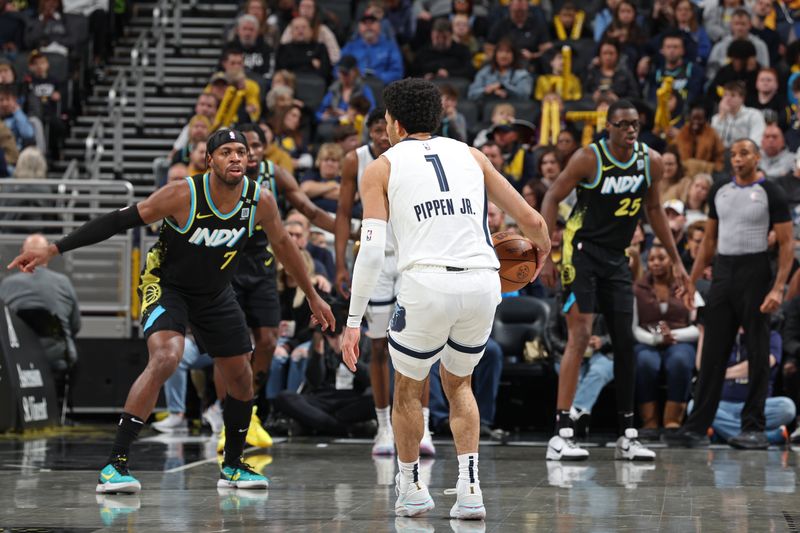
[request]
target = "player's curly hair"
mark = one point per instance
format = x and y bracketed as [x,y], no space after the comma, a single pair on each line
[415,103]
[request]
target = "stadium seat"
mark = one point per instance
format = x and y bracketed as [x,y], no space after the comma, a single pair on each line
[376,84]
[519,320]
[459,84]
[310,88]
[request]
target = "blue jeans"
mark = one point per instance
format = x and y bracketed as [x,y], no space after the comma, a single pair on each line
[288,372]
[175,386]
[596,372]
[485,384]
[779,411]
[677,362]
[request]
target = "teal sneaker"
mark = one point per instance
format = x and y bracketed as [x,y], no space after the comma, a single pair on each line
[115,507]
[115,478]
[241,476]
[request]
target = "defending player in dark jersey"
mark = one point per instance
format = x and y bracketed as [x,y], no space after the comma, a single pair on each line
[255,281]
[616,180]
[207,221]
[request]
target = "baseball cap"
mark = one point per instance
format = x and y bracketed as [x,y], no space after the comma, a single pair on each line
[218,76]
[347,62]
[676,205]
[225,136]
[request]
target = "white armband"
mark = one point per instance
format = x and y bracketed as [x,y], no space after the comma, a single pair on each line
[367,268]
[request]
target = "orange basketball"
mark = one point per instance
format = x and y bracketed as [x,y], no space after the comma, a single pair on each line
[517,257]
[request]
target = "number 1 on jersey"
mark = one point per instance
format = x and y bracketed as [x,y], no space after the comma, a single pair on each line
[434,160]
[228,258]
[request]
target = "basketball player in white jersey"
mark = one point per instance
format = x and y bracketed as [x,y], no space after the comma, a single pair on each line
[382,301]
[433,191]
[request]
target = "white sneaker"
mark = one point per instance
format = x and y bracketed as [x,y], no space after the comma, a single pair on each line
[563,447]
[426,447]
[413,499]
[384,442]
[173,423]
[213,417]
[629,474]
[630,449]
[563,476]
[469,501]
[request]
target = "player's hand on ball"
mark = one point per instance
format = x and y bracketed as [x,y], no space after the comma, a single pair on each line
[350,347]
[321,312]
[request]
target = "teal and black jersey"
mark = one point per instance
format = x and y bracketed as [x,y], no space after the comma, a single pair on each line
[609,207]
[258,243]
[201,257]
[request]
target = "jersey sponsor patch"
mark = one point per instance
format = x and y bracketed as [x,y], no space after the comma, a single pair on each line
[245,213]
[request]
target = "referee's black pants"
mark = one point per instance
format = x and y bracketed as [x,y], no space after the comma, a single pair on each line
[738,287]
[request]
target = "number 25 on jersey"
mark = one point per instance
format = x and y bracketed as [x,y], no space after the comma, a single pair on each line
[628,207]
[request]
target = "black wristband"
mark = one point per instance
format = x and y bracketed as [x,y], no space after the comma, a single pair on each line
[101,228]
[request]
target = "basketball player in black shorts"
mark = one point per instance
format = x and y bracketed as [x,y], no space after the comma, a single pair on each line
[208,219]
[255,281]
[616,179]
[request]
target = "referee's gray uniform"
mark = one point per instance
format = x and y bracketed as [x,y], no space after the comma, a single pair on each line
[741,280]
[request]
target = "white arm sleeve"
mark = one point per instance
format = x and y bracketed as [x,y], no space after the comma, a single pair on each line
[367,268]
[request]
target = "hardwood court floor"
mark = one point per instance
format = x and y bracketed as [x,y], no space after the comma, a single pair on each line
[47,485]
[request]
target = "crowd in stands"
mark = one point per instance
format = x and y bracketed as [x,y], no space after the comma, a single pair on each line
[49,48]
[529,82]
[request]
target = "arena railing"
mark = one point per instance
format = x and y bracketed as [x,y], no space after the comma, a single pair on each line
[160,23]
[94,149]
[101,273]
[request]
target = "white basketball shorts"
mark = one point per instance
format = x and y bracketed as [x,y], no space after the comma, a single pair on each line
[441,314]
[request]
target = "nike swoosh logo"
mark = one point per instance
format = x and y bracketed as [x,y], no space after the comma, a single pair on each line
[605,169]
[557,450]
[243,430]
[205,216]
[106,476]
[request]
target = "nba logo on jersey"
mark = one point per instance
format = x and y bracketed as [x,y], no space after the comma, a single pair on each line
[245,213]
[369,234]
[426,146]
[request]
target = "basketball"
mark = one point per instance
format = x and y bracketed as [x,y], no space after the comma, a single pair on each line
[517,257]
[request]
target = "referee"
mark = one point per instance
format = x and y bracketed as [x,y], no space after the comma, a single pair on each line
[741,213]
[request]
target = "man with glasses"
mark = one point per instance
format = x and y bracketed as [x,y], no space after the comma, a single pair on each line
[614,178]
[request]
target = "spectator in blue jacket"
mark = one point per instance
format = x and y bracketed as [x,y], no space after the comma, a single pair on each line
[13,116]
[376,55]
[502,78]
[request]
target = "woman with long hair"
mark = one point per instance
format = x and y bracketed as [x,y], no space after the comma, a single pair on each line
[686,22]
[666,342]
[608,76]
[673,185]
[289,136]
[502,78]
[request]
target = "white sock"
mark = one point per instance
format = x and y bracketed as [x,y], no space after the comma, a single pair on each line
[384,417]
[409,472]
[468,468]
[426,416]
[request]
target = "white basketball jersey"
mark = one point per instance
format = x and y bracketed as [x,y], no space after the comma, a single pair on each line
[365,157]
[437,205]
